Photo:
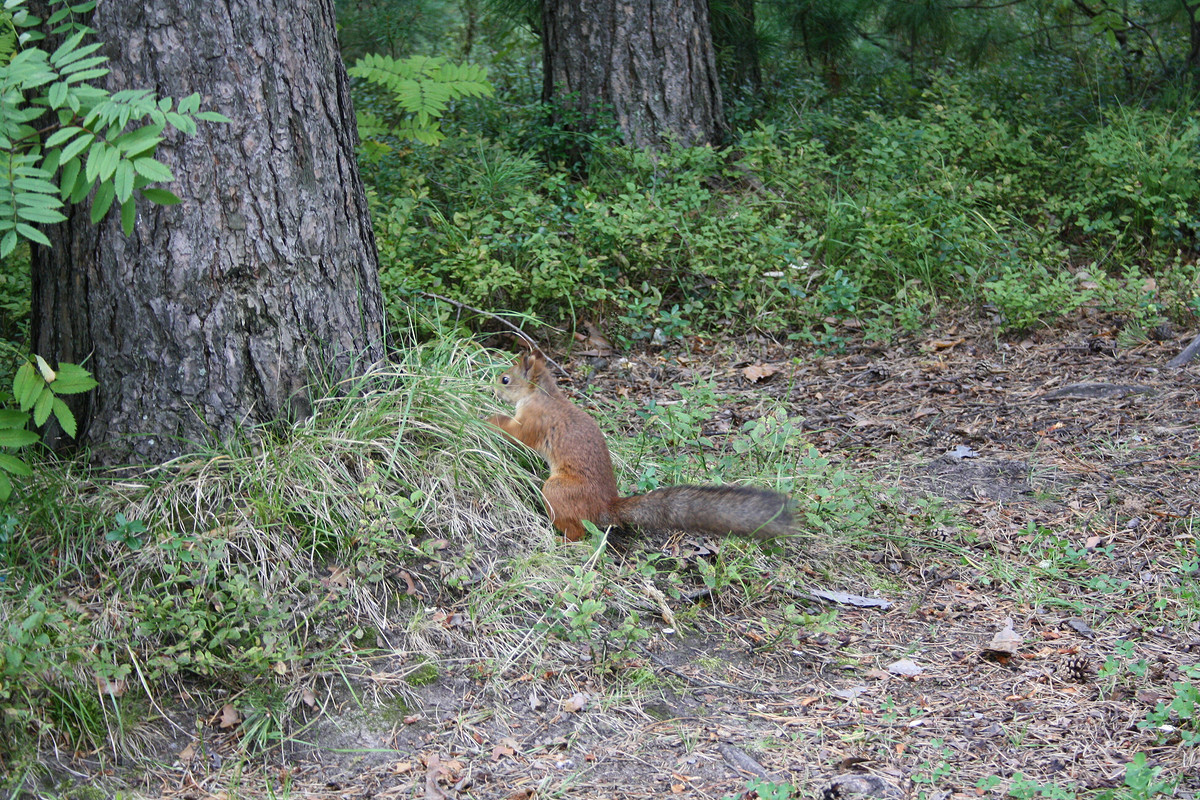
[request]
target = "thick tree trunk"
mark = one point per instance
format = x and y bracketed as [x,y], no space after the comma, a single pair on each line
[1192,61]
[219,311]
[651,61]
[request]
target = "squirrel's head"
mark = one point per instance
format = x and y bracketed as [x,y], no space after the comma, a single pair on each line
[523,378]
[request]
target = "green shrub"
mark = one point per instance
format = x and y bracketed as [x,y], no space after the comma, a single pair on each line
[884,203]
[1031,297]
[659,248]
[1138,175]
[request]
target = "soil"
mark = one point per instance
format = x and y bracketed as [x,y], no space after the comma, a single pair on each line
[1066,442]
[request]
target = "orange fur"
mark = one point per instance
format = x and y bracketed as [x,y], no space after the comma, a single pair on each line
[581,485]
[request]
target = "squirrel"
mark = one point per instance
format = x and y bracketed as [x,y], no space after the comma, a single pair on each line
[582,486]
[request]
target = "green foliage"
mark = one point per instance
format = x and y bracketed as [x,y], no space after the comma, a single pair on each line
[767,789]
[38,392]
[1033,296]
[128,532]
[394,27]
[1142,782]
[1139,176]
[1178,720]
[860,209]
[419,89]
[271,560]
[655,245]
[88,145]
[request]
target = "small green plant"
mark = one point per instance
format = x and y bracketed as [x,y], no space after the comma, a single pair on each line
[1031,296]
[423,674]
[128,532]
[767,789]
[933,773]
[37,392]
[1142,782]
[263,717]
[575,617]
[420,89]
[840,295]
[1179,719]
[1122,664]
[1139,176]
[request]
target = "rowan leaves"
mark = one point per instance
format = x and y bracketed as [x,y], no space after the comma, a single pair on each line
[103,141]
[36,388]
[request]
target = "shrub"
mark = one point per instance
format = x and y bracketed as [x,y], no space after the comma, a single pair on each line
[1139,176]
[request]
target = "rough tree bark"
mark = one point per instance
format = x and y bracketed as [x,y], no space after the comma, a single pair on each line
[219,311]
[651,61]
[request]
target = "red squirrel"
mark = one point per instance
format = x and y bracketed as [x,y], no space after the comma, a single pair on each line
[582,486]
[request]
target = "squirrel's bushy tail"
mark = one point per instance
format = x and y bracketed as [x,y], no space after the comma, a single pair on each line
[718,510]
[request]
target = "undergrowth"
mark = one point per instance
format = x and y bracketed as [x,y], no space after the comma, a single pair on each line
[390,534]
[884,211]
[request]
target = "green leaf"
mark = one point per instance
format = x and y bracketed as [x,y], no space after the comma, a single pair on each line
[95,158]
[57,94]
[41,409]
[123,181]
[112,157]
[47,216]
[8,244]
[61,135]
[214,116]
[153,170]
[128,216]
[160,197]
[14,465]
[103,201]
[5,487]
[72,379]
[11,418]
[27,385]
[139,141]
[189,104]
[35,185]
[181,123]
[67,178]
[32,234]
[66,420]
[77,146]
[11,437]
[69,47]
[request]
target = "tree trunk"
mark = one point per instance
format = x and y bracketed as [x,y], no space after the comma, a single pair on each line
[219,311]
[651,61]
[1192,61]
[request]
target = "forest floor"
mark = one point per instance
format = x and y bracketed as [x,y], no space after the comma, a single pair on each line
[1071,463]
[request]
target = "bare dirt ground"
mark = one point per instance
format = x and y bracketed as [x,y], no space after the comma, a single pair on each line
[1074,461]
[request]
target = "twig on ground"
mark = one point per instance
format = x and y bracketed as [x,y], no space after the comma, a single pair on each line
[710,684]
[1188,353]
[524,336]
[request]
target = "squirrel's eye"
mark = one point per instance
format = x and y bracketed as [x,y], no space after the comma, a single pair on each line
[504,380]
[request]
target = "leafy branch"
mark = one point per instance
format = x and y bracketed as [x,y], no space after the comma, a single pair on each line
[37,390]
[88,144]
[422,88]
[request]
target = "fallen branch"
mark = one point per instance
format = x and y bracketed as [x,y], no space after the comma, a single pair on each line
[524,336]
[1188,353]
